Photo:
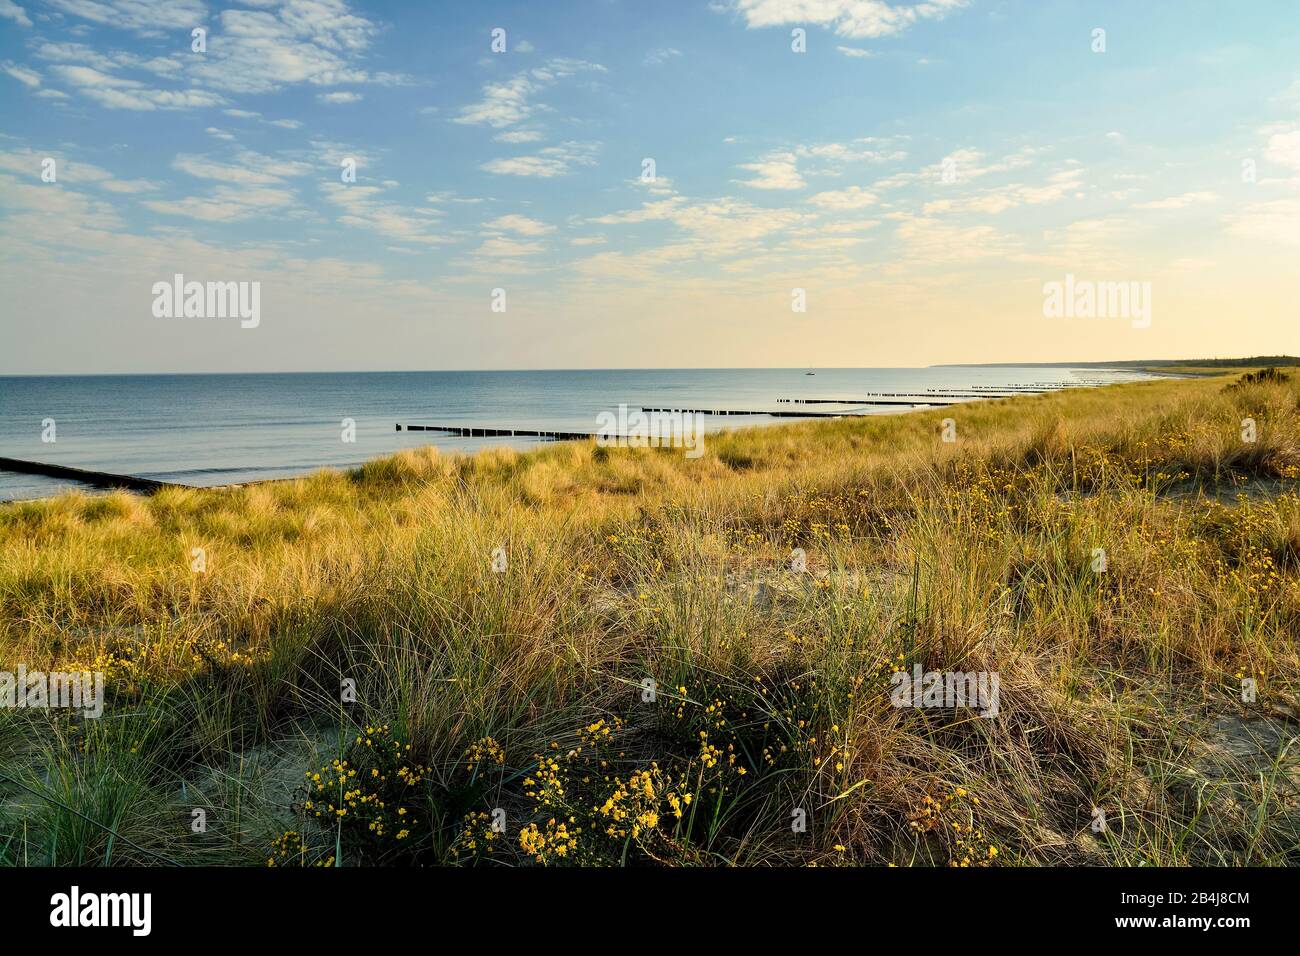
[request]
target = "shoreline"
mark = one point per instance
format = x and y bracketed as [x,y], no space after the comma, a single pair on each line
[216,431]
[93,481]
[109,482]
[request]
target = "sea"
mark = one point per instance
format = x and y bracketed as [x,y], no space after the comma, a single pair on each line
[206,430]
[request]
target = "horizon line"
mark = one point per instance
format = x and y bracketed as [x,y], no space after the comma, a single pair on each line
[1119,364]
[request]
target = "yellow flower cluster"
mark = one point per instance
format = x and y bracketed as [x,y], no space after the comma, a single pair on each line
[484,750]
[954,815]
[601,732]
[371,793]
[632,806]
[554,842]
[546,784]
[288,849]
[477,835]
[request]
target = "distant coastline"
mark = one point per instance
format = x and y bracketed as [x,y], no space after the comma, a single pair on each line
[1254,361]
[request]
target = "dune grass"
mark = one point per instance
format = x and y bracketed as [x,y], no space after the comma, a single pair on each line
[627,657]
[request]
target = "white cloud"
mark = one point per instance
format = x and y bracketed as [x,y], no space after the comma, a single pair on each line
[935,242]
[854,197]
[659,186]
[1101,243]
[661,55]
[545,163]
[317,42]
[83,55]
[999,199]
[853,51]
[332,154]
[28,78]
[11,11]
[130,186]
[342,96]
[849,18]
[65,216]
[364,207]
[117,93]
[146,17]
[71,252]
[258,172]
[499,247]
[715,228]
[1272,223]
[226,204]
[1178,202]
[507,102]
[518,136]
[845,225]
[775,171]
[502,104]
[522,225]
[253,114]
[820,243]
[1283,146]
[968,163]
[779,169]
[250,185]
[648,212]
[27,162]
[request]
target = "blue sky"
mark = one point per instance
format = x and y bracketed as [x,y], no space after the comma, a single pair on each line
[920,171]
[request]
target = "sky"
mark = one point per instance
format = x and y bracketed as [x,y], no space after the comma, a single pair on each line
[615,184]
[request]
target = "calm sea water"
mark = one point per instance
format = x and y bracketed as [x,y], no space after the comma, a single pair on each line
[219,429]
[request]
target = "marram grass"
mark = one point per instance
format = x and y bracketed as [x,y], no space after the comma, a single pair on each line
[652,681]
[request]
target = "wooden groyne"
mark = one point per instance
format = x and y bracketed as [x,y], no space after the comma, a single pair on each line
[702,411]
[918,400]
[732,411]
[479,431]
[930,398]
[482,431]
[1021,389]
[98,479]
[937,396]
[1040,386]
